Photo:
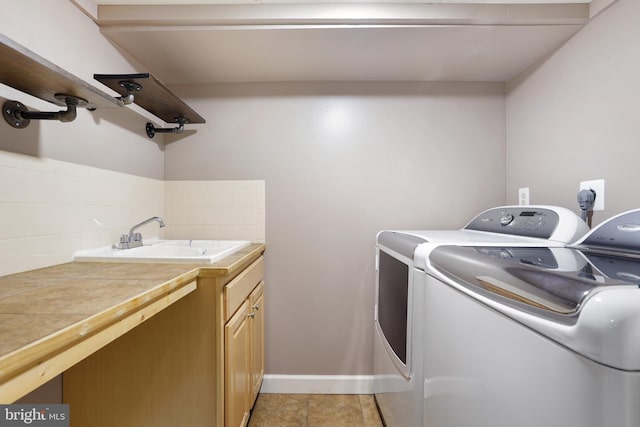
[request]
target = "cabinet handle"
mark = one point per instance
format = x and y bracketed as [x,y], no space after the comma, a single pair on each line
[252,315]
[256,307]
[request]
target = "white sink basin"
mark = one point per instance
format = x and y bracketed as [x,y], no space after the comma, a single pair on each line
[187,251]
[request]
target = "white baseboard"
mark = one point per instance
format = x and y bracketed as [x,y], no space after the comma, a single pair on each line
[318,384]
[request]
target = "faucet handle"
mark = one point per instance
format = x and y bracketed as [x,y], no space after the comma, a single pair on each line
[124,242]
[136,237]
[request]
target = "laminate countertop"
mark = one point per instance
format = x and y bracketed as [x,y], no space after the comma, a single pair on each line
[54,317]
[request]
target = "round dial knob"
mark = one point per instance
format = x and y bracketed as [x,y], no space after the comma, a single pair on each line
[505,253]
[507,219]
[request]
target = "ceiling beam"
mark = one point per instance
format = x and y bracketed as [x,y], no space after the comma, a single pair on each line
[343,14]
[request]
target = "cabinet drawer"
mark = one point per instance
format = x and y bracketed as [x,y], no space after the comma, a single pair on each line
[239,288]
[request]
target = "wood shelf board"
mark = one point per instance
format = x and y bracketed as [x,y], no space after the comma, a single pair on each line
[28,72]
[153,97]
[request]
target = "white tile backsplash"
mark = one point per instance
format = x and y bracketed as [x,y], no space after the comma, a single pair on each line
[15,185]
[12,216]
[215,210]
[49,209]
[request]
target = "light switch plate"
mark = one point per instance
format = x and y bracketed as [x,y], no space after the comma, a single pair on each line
[596,185]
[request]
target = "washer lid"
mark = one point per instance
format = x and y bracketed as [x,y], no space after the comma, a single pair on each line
[620,233]
[547,281]
[586,301]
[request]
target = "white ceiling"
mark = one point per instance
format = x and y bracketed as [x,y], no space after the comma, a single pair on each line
[319,41]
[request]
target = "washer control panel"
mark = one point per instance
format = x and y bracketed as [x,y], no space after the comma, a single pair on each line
[520,221]
[620,233]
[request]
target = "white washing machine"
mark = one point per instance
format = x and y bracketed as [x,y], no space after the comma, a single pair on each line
[399,316]
[534,337]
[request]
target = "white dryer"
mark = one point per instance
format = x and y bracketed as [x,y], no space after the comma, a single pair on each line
[535,336]
[399,315]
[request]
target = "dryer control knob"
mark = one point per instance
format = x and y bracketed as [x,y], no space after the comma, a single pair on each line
[507,219]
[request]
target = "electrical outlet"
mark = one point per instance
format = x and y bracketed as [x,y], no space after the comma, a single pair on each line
[596,185]
[523,196]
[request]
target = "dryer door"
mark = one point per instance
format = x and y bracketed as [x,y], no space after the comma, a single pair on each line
[394,277]
[393,303]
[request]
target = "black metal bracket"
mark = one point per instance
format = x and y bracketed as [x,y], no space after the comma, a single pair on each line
[151,94]
[152,130]
[19,116]
[131,88]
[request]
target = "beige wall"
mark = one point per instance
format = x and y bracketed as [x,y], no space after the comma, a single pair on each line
[342,161]
[597,6]
[62,183]
[575,117]
[107,138]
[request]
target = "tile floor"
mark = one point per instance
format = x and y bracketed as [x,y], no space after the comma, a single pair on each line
[315,410]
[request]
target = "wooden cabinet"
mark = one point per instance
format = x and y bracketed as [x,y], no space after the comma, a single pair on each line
[197,363]
[244,345]
[237,333]
[256,300]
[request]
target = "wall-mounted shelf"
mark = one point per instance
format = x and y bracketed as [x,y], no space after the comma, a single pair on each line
[28,72]
[149,93]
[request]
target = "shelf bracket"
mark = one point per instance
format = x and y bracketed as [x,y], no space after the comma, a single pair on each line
[18,116]
[131,88]
[151,94]
[152,130]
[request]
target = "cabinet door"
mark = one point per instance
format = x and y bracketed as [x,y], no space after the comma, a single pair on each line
[238,367]
[256,300]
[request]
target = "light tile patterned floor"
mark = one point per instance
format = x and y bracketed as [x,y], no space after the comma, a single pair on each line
[315,410]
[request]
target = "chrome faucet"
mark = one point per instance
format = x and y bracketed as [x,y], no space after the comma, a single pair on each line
[133,239]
